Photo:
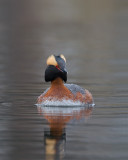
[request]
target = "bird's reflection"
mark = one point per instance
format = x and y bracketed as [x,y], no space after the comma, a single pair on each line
[58,117]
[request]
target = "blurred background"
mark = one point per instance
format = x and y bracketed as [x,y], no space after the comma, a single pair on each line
[93,36]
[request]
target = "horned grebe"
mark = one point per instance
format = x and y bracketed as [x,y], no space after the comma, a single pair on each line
[56,73]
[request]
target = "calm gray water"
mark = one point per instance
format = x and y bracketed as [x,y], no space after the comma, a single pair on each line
[93,37]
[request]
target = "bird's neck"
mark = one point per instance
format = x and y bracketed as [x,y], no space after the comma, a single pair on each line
[57,82]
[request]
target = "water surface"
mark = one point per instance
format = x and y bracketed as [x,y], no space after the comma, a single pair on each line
[93,37]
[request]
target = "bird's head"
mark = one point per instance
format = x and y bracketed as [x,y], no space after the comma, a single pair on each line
[56,67]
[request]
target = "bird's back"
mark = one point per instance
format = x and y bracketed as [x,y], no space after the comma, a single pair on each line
[75,89]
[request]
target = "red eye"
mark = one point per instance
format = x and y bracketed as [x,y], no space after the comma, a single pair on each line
[59,68]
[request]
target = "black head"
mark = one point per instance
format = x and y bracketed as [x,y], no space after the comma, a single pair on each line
[56,68]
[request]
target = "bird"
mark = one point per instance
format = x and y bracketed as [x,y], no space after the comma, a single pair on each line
[60,91]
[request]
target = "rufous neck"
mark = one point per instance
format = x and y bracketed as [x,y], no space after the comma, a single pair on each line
[57,81]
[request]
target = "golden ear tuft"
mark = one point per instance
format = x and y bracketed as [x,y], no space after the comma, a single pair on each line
[62,56]
[52,61]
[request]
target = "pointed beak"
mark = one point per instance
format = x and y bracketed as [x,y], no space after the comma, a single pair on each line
[61,64]
[64,70]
